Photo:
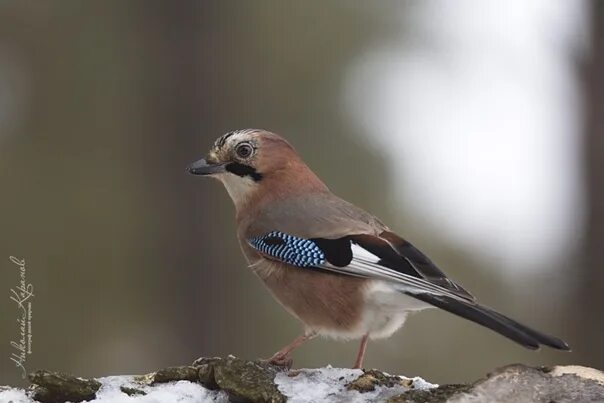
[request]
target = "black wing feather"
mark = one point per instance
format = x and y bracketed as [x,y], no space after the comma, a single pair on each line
[399,255]
[337,251]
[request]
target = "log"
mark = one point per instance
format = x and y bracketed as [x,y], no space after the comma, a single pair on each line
[238,380]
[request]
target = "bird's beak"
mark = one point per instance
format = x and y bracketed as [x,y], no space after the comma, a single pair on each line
[203,167]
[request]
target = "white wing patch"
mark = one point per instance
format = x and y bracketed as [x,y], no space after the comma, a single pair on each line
[362,253]
[365,264]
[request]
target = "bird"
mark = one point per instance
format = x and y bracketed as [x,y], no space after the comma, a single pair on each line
[335,267]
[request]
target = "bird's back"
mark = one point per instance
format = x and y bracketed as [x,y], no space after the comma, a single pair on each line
[316,215]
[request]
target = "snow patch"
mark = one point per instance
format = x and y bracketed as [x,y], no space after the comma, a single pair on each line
[110,392]
[299,386]
[14,396]
[329,385]
[181,391]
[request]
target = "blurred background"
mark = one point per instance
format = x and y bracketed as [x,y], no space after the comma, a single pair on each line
[475,128]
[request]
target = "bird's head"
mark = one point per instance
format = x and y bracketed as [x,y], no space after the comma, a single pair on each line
[251,162]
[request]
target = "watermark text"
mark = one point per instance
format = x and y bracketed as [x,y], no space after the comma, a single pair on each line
[22,296]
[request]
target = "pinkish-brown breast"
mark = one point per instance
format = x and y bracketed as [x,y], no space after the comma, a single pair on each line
[322,301]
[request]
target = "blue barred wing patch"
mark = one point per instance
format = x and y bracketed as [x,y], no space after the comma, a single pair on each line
[289,249]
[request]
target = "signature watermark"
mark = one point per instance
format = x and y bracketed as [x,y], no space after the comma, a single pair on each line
[22,296]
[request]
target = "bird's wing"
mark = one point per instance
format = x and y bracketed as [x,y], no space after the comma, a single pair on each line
[385,256]
[388,257]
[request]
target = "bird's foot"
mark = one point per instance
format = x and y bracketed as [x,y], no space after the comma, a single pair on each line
[281,360]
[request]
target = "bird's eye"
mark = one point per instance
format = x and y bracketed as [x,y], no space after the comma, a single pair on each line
[244,150]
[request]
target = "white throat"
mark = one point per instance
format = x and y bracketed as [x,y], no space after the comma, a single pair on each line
[239,188]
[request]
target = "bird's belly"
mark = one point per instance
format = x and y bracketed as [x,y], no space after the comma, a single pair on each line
[323,302]
[337,306]
[386,309]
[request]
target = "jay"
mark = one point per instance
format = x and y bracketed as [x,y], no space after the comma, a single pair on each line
[333,266]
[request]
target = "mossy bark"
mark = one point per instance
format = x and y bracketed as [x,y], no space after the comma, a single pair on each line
[51,387]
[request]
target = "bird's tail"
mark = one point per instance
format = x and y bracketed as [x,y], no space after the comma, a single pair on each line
[487,317]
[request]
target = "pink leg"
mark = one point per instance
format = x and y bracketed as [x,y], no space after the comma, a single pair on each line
[283,356]
[359,361]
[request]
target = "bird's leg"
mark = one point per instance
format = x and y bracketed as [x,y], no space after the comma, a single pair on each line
[283,356]
[359,361]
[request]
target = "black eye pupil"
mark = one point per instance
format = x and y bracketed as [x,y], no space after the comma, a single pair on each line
[244,151]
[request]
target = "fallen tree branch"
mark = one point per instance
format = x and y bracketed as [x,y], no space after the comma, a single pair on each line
[234,379]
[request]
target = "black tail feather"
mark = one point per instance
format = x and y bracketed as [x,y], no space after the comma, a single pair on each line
[487,317]
[542,338]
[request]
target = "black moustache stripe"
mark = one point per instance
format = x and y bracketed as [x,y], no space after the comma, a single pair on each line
[244,170]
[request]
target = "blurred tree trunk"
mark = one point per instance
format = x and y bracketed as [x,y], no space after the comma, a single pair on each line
[589,316]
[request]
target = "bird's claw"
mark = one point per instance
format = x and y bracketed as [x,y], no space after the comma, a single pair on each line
[281,360]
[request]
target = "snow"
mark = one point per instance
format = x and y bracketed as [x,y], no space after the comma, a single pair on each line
[181,391]
[14,396]
[329,385]
[299,386]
